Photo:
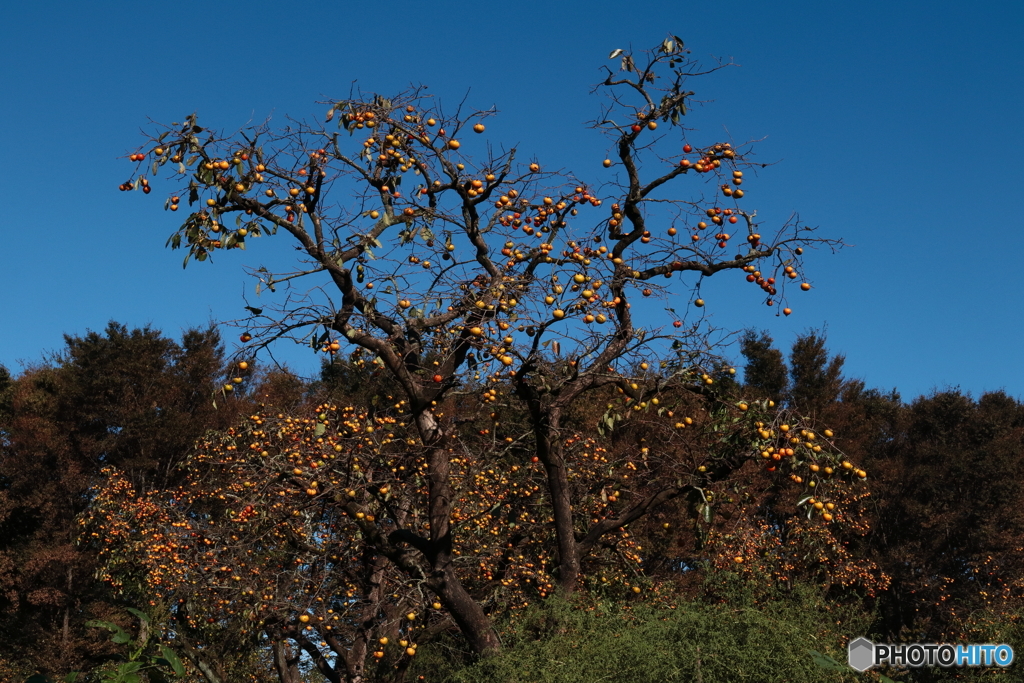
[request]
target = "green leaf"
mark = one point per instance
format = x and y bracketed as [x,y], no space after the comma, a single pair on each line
[98,623]
[172,657]
[319,429]
[139,613]
[826,662]
[120,637]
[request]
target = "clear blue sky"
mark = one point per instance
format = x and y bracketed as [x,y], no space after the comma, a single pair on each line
[897,125]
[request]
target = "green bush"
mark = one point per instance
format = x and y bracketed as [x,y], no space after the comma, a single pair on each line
[741,639]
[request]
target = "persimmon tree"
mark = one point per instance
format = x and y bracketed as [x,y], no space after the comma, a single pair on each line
[497,280]
[305,532]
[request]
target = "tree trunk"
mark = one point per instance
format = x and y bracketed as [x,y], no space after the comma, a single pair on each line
[474,623]
[66,634]
[549,450]
[286,665]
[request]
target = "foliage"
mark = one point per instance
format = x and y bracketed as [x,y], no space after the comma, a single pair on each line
[946,530]
[311,529]
[169,545]
[126,398]
[817,379]
[764,373]
[145,659]
[738,639]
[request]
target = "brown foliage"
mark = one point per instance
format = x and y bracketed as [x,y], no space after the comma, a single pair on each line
[133,399]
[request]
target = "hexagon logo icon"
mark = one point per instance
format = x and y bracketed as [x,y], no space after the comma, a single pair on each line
[861,654]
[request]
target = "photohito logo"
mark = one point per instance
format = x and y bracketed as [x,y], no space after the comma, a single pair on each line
[863,654]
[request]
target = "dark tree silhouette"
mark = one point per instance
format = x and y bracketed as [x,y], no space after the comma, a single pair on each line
[765,373]
[816,379]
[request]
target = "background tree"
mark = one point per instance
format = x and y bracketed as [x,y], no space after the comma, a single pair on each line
[131,399]
[933,524]
[943,529]
[817,380]
[764,373]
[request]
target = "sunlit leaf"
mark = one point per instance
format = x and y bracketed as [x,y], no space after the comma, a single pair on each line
[172,657]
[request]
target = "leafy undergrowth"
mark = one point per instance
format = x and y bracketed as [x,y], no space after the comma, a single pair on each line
[731,642]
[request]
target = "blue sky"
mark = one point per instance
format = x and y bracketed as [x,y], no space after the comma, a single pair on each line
[896,126]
